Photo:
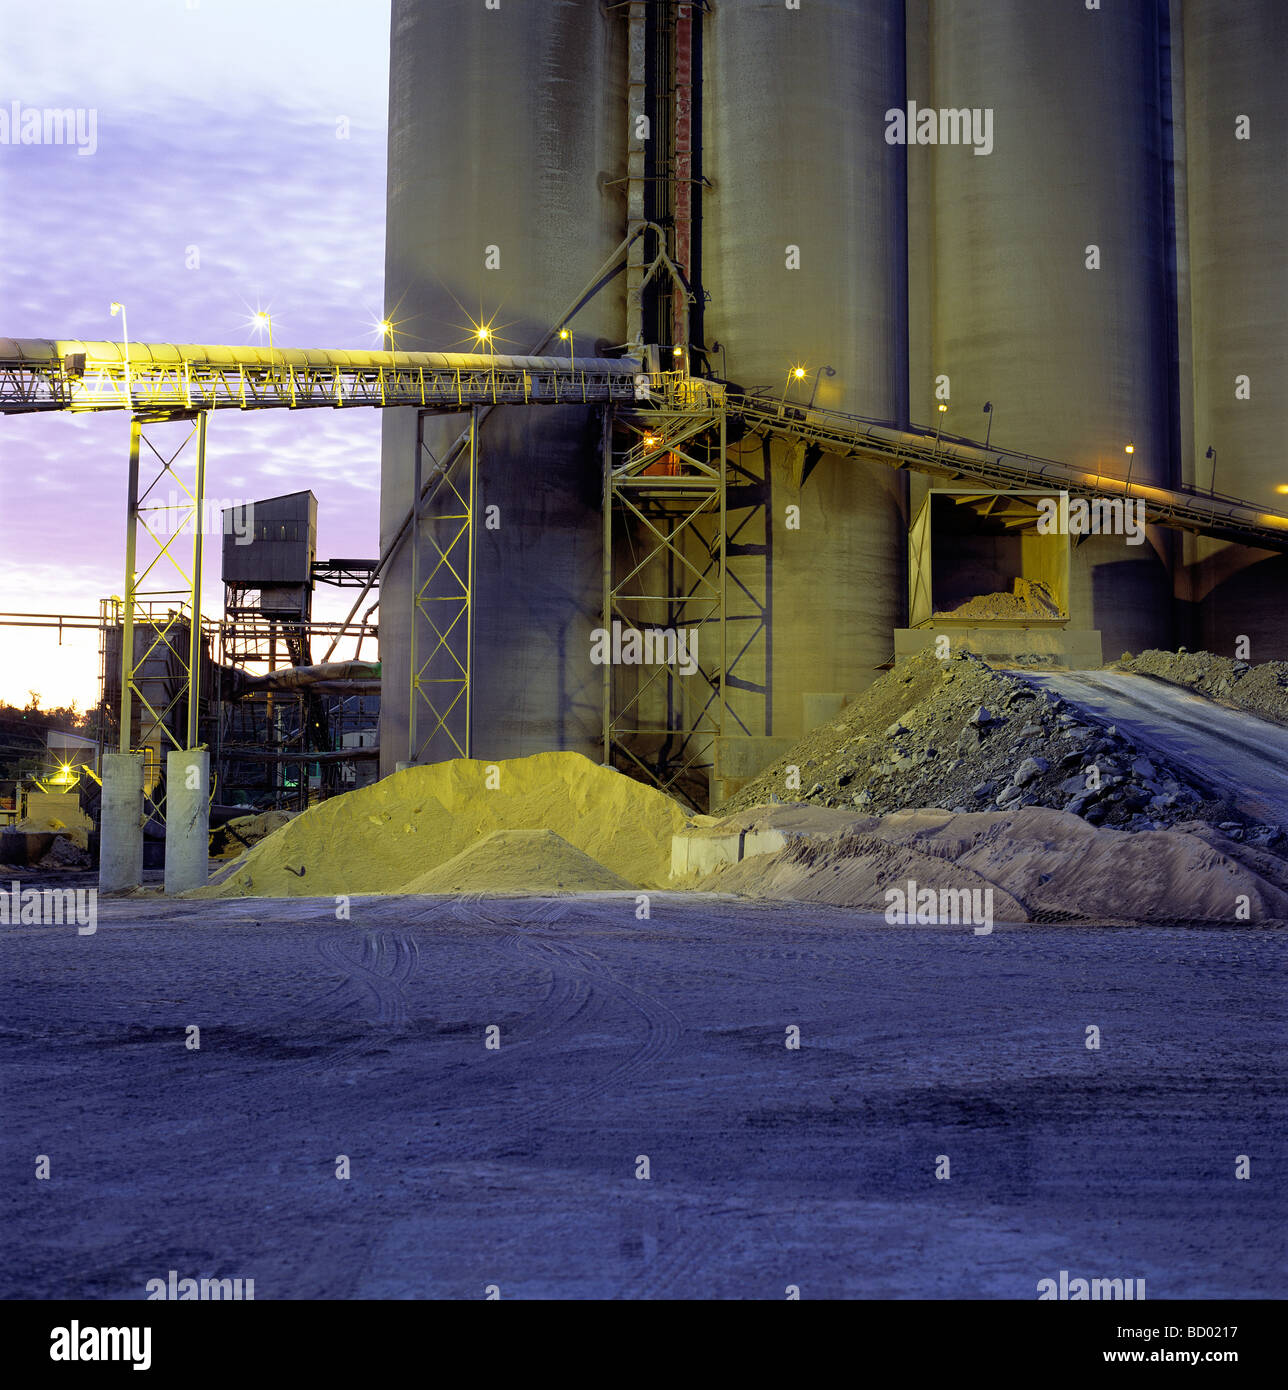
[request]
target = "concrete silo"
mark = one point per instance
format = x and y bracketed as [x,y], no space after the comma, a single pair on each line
[1076,361]
[506,128]
[1236,135]
[794,106]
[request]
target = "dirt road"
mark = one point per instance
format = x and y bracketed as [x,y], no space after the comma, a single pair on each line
[624,1040]
[1232,752]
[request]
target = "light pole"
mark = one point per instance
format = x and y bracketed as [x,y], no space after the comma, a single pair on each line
[386,330]
[1211,453]
[263,320]
[793,374]
[943,407]
[1130,451]
[565,335]
[822,372]
[119,308]
[988,410]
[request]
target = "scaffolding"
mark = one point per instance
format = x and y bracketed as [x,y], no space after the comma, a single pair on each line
[442,615]
[665,630]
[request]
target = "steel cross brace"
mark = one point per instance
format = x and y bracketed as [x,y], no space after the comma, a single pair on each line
[442,599]
[163,589]
[659,491]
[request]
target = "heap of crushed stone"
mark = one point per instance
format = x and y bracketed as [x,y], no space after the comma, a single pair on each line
[1261,690]
[1038,863]
[514,862]
[380,838]
[957,735]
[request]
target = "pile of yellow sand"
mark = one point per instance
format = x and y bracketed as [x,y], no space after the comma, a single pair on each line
[519,861]
[381,838]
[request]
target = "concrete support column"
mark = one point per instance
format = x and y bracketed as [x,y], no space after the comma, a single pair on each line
[120,862]
[187,820]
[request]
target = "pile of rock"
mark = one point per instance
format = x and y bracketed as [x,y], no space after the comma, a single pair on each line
[969,738]
[1261,690]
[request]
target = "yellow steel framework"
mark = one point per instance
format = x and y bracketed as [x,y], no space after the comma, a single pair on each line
[442,615]
[163,557]
[665,567]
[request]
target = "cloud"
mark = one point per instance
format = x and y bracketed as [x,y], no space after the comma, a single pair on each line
[194,210]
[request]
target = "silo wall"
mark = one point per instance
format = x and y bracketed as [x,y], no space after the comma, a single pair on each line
[507,127]
[1236,133]
[1044,260]
[801,174]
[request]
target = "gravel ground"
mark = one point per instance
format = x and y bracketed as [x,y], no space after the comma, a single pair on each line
[621,1038]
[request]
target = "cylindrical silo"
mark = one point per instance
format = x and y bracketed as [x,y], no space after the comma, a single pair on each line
[506,128]
[804,264]
[1051,275]
[1236,128]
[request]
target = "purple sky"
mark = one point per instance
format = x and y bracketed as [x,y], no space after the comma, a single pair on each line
[217,130]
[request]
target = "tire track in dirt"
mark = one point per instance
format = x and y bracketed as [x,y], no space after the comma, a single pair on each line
[662,1028]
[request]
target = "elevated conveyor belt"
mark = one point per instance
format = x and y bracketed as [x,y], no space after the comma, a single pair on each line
[38,374]
[160,379]
[1226,518]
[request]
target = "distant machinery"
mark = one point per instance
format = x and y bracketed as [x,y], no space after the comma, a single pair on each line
[269,549]
[282,722]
